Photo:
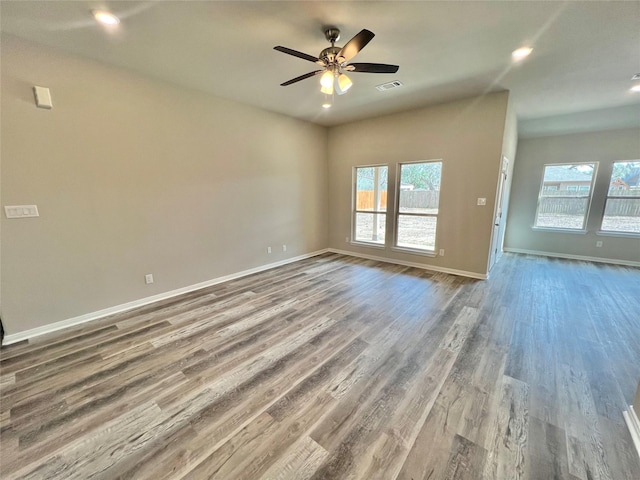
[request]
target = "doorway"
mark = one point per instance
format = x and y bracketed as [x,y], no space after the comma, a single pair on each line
[497,237]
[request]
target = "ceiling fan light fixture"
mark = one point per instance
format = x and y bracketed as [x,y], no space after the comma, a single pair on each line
[327,90]
[326,80]
[344,83]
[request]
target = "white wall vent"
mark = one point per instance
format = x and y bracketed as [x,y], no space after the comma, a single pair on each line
[390,85]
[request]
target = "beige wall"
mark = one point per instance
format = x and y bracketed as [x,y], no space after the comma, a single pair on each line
[133,176]
[467,135]
[533,153]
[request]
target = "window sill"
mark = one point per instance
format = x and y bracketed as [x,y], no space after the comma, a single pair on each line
[560,230]
[365,244]
[604,233]
[413,251]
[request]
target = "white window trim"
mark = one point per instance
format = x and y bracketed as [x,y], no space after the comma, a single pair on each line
[355,211]
[562,230]
[608,233]
[396,213]
[415,251]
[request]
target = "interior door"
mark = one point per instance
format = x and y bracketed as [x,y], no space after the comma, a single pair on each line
[498,222]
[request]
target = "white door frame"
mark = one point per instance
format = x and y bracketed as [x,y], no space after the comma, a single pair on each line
[497,235]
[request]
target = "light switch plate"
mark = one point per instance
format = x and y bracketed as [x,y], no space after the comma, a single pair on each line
[21,211]
[43,97]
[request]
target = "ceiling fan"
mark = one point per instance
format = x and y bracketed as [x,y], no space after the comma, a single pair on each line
[335,61]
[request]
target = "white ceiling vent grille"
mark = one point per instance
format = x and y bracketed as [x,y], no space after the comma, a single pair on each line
[389,86]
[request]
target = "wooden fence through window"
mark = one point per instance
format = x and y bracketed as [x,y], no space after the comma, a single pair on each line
[408,199]
[577,205]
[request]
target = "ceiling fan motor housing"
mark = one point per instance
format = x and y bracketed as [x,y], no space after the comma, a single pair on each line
[328,55]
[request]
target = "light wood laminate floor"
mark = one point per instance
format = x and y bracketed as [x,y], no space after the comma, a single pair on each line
[336,367]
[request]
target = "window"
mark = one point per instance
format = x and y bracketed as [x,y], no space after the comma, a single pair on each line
[370,204]
[565,207]
[622,208]
[418,200]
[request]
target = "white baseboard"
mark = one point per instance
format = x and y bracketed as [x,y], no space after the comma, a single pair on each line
[633,423]
[70,322]
[451,271]
[612,261]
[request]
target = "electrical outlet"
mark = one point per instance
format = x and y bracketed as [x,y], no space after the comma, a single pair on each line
[482,201]
[148,278]
[599,243]
[284,248]
[441,252]
[268,249]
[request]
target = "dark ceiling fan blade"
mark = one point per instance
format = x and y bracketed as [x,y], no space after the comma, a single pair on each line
[295,53]
[354,45]
[301,77]
[372,68]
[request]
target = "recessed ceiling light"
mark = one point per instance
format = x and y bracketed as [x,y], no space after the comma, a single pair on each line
[636,88]
[521,53]
[105,18]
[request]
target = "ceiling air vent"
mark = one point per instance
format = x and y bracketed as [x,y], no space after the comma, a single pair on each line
[390,85]
[636,77]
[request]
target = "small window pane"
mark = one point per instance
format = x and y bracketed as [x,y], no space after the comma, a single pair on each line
[564,197]
[370,227]
[622,215]
[622,212]
[418,199]
[417,232]
[371,188]
[625,179]
[562,212]
[420,187]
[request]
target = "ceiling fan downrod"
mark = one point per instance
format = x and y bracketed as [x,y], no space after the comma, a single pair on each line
[328,55]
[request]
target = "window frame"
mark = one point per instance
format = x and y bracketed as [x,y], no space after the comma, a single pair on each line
[589,198]
[397,212]
[601,231]
[355,211]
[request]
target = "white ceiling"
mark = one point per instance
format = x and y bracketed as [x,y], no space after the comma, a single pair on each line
[585,53]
